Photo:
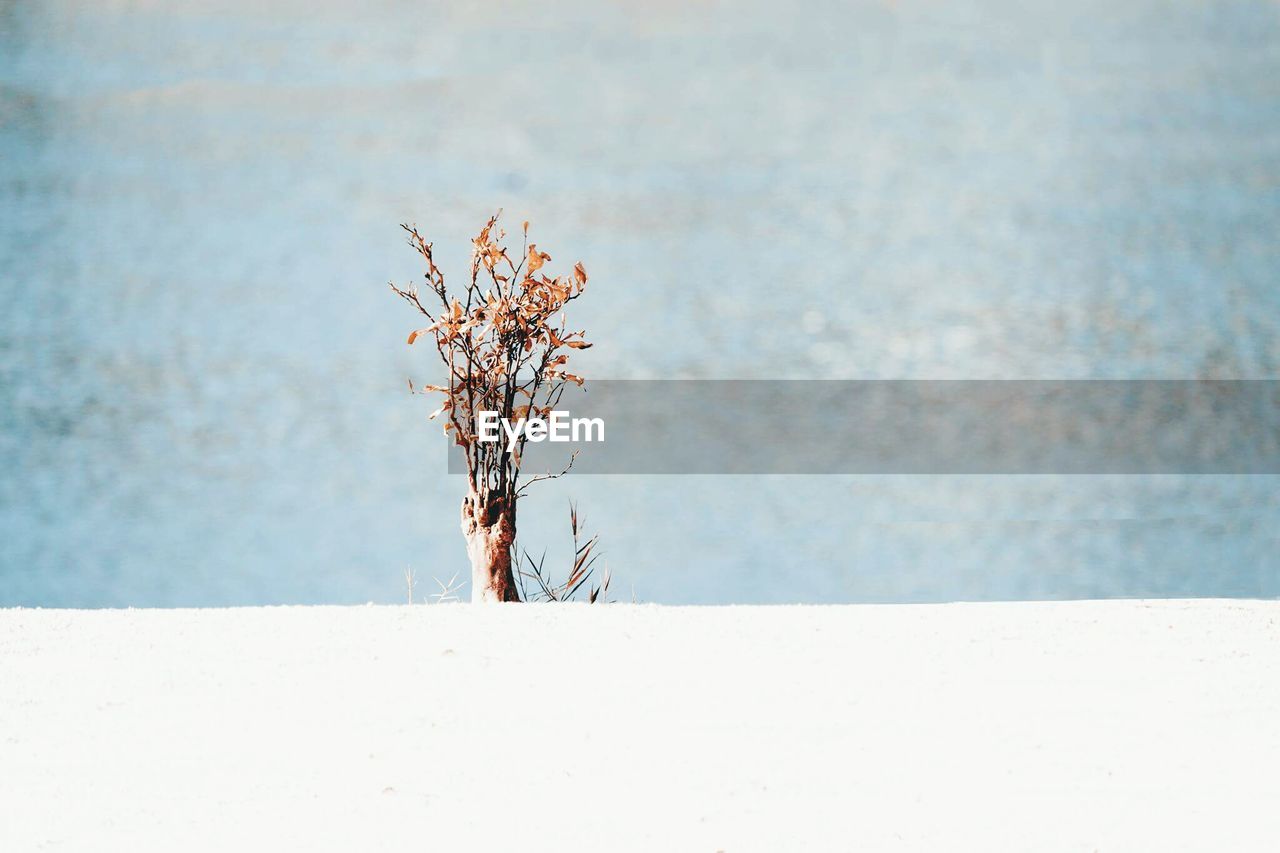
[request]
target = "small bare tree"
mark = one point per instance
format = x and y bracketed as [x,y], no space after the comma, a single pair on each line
[503,342]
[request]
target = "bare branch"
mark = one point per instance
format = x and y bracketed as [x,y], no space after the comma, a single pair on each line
[548,476]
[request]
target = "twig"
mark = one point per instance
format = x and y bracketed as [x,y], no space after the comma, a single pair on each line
[548,476]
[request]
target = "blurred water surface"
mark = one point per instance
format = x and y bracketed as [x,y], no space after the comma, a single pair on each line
[202,372]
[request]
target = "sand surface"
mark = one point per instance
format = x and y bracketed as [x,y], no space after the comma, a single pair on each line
[1074,726]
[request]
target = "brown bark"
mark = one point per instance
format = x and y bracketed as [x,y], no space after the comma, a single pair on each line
[489,525]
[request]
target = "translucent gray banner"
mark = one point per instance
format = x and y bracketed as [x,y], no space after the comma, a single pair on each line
[917,427]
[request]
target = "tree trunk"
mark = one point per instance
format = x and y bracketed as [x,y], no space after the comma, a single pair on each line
[489,525]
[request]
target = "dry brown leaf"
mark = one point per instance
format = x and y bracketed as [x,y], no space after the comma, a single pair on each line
[505,341]
[536,259]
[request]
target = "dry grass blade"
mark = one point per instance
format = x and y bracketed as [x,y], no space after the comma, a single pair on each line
[583,569]
[448,591]
[546,591]
[602,589]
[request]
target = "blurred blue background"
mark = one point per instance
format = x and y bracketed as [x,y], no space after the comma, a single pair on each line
[202,371]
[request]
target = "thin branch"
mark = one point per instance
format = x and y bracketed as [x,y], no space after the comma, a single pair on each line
[548,476]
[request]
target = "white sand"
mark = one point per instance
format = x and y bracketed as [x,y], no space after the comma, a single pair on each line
[1078,726]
